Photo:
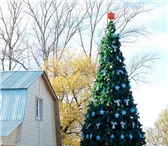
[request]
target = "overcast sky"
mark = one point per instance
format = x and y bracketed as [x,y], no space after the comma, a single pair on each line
[152,97]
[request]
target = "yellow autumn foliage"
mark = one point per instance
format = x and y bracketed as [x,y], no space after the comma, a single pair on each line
[158,134]
[72,79]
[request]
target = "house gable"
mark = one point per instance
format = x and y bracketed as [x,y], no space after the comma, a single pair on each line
[37,86]
[40,132]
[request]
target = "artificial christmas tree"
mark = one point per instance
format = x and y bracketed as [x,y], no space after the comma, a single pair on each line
[112,117]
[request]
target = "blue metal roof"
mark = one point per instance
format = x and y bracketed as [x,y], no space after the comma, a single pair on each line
[12,109]
[6,127]
[12,104]
[18,79]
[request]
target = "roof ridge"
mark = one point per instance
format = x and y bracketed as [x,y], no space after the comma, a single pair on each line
[18,79]
[23,71]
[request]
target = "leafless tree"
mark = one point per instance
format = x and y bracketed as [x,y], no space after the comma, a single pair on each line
[97,11]
[54,25]
[12,36]
[140,66]
[125,12]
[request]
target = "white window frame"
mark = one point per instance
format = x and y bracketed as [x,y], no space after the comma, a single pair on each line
[38,109]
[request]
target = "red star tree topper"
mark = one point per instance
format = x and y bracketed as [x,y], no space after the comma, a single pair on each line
[111,15]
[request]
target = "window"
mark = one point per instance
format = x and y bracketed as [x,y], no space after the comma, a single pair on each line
[39,109]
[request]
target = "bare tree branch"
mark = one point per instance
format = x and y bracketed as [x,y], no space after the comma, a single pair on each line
[140,66]
[11,34]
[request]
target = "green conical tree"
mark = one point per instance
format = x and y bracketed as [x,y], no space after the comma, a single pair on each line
[112,117]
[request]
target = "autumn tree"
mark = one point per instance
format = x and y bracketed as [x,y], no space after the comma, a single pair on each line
[157,135]
[71,79]
[70,107]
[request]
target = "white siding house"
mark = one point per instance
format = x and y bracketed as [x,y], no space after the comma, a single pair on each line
[29,113]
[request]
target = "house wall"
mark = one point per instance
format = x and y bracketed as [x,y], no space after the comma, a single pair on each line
[12,138]
[38,133]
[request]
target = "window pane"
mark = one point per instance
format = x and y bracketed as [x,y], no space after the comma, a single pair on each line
[39,105]
[39,108]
